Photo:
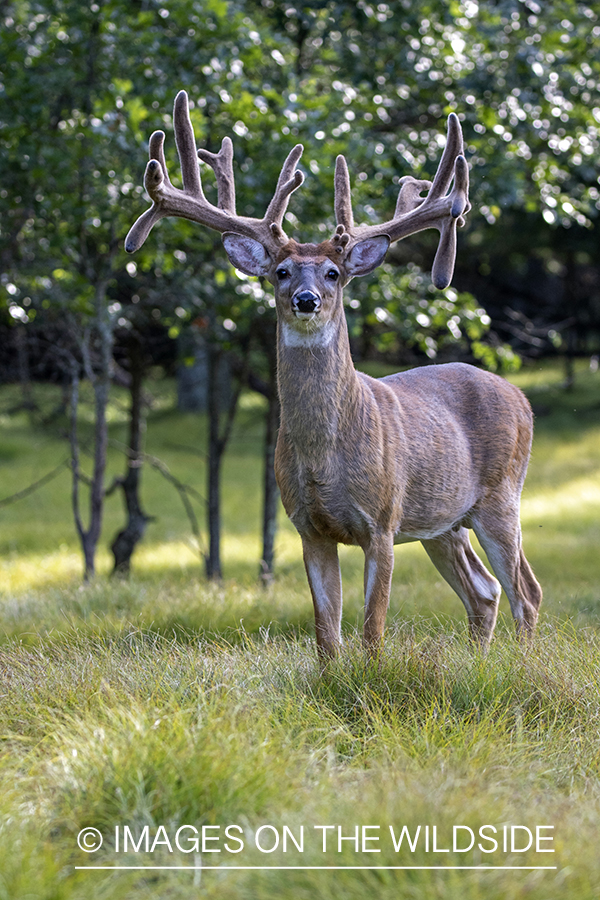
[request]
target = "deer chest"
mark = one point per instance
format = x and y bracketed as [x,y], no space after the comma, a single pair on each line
[327,503]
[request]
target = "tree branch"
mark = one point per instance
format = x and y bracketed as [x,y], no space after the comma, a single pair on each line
[183,489]
[20,495]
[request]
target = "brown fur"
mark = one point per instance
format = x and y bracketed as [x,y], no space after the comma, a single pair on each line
[315,252]
[421,455]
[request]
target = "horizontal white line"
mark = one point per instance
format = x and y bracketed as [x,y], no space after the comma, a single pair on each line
[328,868]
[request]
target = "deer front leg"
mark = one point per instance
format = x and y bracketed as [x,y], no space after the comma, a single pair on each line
[379,565]
[325,580]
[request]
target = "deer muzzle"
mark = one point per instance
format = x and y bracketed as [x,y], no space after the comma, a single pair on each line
[306,303]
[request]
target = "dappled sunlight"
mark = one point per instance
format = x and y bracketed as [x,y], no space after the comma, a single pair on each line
[35,571]
[546,375]
[27,571]
[167,556]
[577,498]
[31,571]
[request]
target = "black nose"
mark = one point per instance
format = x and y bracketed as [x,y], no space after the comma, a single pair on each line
[306,302]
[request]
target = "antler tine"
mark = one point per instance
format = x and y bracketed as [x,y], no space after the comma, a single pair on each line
[454,147]
[140,230]
[460,192]
[445,257]
[186,146]
[289,179]
[409,194]
[342,194]
[156,151]
[190,203]
[414,213]
[222,165]
[154,177]
[289,167]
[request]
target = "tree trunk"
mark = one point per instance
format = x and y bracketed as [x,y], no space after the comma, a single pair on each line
[127,539]
[217,441]
[271,491]
[87,537]
[266,334]
[89,557]
[215,452]
[99,377]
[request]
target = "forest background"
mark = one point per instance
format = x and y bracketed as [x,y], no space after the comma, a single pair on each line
[82,87]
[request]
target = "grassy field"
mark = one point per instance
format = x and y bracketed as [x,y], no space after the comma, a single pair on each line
[162,702]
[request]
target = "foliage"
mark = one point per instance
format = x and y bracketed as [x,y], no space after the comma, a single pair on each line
[270,79]
[524,78]
[398,311]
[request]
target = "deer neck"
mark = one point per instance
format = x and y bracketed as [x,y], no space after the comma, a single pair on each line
[318,385]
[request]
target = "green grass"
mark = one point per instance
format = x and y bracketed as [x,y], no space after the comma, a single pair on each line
[163,701]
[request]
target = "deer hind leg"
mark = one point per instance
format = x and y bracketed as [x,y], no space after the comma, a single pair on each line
[379,565]
[457,562]
[325,580]
[499,532]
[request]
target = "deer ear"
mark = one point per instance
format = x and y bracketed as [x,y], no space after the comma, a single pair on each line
[366,255]
[246,254]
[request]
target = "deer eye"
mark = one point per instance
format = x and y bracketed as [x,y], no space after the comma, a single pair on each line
[282,273]
[332,274]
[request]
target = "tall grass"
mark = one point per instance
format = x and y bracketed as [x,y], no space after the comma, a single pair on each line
[141,730]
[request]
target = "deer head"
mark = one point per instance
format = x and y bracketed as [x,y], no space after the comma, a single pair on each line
[308,278]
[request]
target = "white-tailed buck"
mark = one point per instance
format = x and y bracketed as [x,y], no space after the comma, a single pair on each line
[422,455]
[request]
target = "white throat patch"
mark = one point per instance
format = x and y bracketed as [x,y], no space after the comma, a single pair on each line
[306,333]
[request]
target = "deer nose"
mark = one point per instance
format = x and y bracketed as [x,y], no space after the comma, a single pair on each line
[306,302]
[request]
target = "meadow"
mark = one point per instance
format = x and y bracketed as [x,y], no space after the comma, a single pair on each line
[165,701]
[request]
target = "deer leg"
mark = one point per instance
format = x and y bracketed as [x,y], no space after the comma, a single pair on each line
[499,533]
[325,580]
[457,562]
[379,565]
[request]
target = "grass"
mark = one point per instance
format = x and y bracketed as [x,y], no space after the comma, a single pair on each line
[166,702]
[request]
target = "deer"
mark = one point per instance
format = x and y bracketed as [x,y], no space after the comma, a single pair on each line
[423,455]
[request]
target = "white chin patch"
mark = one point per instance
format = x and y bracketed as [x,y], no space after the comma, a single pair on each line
[307,331]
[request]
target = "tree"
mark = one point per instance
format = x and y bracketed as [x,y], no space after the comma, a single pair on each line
[65,244]
[372,81]
[376,80]
[67,233]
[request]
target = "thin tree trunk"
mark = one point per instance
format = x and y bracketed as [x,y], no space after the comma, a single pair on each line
[267,336]
[270,489]
[100,381]
[217,442]
[101,390]
[97,486]
[215,452]
[569,382]
[88,545]
[74,442]
[126,540]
